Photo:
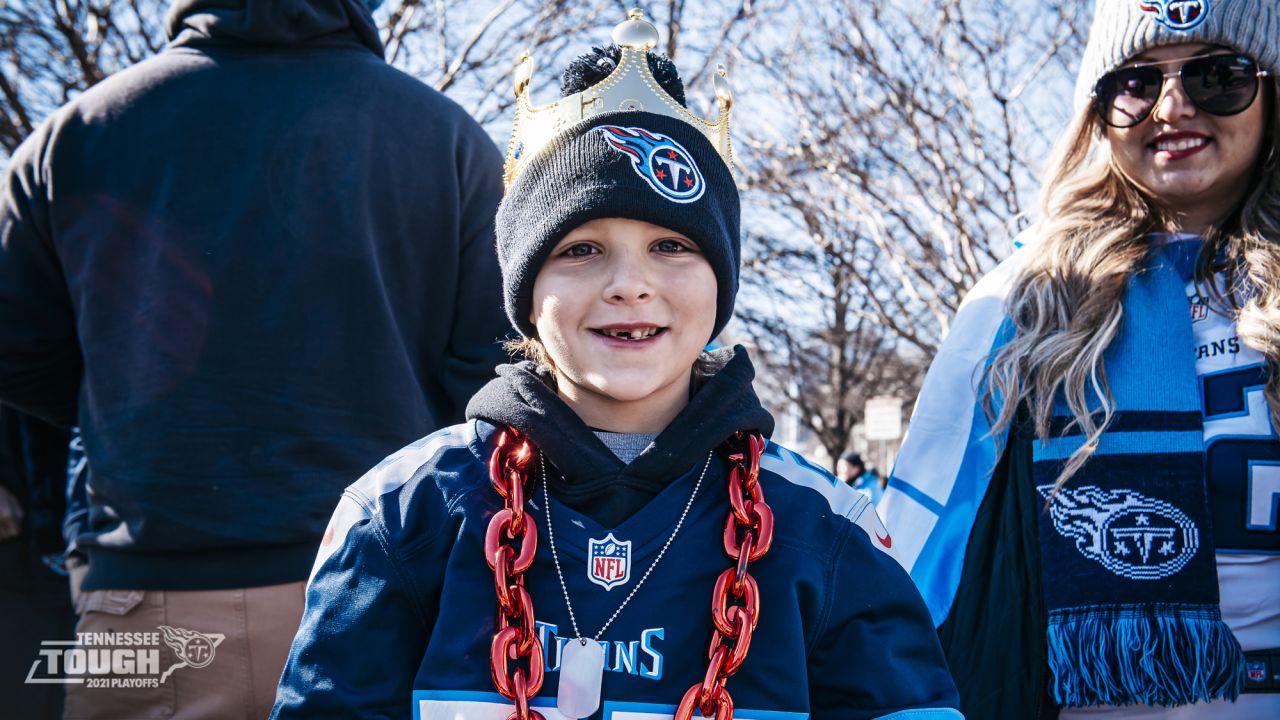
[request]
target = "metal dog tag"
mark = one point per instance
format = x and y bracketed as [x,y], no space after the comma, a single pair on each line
[581,673]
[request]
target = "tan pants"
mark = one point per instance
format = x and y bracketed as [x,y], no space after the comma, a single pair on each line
[225,650]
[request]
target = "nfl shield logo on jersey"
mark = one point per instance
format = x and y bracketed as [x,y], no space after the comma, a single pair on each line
[609,561]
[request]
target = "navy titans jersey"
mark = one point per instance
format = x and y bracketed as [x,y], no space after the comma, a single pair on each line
[401,604]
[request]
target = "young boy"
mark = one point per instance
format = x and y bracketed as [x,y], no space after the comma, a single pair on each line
[610,536]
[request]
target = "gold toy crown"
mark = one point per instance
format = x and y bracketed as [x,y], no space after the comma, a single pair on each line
[630,87]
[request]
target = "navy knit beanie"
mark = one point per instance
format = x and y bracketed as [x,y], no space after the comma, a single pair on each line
[634,165]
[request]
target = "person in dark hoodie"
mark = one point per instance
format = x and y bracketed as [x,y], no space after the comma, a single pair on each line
[247,268]
[616,499]
[34,604]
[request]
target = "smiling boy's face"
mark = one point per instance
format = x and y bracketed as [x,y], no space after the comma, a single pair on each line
[623,308]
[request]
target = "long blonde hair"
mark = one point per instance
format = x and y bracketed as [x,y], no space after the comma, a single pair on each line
[1066,301]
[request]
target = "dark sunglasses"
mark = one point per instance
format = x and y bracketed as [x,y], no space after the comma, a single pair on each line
[1216,84]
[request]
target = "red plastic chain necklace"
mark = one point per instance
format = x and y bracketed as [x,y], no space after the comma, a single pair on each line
[512,540]
[515,638]
[735,601]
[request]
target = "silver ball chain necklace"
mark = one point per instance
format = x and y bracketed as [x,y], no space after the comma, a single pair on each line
[582,662]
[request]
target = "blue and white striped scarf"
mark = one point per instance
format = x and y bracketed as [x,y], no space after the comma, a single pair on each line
[1127,553]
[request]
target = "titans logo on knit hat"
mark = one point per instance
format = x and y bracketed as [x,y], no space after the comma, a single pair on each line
[1177,14]
[659,159]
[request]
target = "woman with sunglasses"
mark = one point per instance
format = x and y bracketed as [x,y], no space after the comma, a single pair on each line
[1089,493]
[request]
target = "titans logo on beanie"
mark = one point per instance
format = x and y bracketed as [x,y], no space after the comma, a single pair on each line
[619,143]
[659,159]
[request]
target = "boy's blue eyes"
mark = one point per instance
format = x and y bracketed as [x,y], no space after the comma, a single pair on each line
[579,250]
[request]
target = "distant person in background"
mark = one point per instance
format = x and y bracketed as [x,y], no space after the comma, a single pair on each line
[34,602]
[853,471]
[248,268]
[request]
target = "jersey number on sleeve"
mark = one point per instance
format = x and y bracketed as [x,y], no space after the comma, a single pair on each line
[1243,470]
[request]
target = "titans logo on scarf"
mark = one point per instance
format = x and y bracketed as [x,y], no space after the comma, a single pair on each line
[660,160]
[1134,536]
[1181,15]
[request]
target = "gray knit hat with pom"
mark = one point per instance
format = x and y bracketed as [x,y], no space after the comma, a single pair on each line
[1124,28]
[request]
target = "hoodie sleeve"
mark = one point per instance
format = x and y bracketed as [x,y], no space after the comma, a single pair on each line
[40,363]
[479,323]
[877,655]
[76,518]
[363,632]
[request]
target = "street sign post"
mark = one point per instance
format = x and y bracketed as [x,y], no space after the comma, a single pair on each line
[882,418]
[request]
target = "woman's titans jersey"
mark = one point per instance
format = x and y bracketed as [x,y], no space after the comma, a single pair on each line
[401,604]
[1242,466]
